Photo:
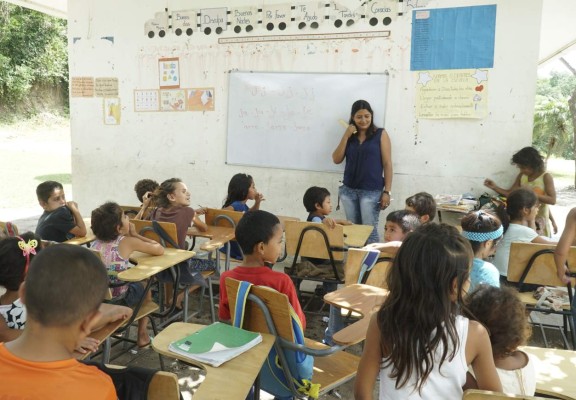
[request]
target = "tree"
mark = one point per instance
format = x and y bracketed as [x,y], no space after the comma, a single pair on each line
[572,106]
[33,50]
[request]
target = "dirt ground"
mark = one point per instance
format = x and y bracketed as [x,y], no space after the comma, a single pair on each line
[33,152]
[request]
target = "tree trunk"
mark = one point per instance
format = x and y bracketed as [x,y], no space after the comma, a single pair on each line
[572,106]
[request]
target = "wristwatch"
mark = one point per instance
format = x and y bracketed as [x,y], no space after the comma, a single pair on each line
[387,192]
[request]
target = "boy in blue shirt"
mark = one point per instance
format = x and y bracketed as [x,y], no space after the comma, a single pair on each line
[61,220]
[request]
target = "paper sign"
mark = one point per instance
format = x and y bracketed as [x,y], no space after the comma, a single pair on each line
[452,94]
[276,16]
[184,22]
[173,100]
[244,18]
[106,87]
[200,99]
[169,73]
[215,19]
[381,11]
[111,111]
[309,14]
[82,86]
[146,100]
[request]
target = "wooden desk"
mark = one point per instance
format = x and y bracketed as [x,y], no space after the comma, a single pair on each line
[460,211]
[555,371]
[219,236]
[231,380]
[359,298]
[148,265]
[357,235]
[89,238]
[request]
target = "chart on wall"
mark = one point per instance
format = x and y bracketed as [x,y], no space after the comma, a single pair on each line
[291,120]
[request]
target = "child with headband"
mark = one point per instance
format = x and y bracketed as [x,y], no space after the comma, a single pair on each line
[483,230]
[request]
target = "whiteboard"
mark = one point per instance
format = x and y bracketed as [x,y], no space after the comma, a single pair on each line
[290,120]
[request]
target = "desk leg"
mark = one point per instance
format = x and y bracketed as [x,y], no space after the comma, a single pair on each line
[227,265]
[257,388]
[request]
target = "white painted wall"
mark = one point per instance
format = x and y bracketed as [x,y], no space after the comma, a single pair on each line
[438,156]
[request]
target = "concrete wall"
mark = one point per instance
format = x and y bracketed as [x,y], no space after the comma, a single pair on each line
[438,156]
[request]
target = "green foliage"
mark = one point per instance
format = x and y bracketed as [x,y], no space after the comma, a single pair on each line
[553,131]
[33,50]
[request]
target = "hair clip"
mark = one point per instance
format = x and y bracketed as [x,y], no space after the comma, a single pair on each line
[27,249]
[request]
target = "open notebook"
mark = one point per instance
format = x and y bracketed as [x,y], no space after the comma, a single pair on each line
[215,344]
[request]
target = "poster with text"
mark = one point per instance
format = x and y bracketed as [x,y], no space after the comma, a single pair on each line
[169,73]
[146,100]
[452,94]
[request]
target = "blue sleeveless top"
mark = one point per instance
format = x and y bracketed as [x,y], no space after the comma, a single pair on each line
[364,163]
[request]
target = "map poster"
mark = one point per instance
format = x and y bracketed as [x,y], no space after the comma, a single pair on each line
[169,73]
[200,99]
[452,94]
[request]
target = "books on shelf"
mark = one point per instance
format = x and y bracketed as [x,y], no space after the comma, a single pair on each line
[215,344]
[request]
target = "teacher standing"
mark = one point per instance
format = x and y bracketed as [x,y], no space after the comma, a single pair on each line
[368,172]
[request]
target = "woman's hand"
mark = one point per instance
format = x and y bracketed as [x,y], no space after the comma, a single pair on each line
[384,201]
[351,130]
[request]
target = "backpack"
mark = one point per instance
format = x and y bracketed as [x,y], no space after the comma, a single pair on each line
[301,365]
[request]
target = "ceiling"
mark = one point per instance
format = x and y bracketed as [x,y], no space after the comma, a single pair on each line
[558,30]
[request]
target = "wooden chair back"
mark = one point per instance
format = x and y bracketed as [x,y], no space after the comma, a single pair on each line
[378,274]
[543,270]
[163,386]
[145,229]
[212,217]
[313,243]
[254,319]
[475,394]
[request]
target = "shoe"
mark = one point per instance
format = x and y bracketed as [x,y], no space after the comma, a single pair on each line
[146,345]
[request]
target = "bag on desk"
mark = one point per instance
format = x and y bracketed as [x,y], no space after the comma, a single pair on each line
[301,365]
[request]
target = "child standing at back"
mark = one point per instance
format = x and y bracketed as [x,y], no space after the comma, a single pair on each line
[240,189]
[417,342]
[64,287]
[504,315]
[532,175]
[518,219]
[483,230]
[116,239]
[61,220]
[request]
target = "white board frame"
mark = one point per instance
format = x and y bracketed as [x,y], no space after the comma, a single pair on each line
[290,120]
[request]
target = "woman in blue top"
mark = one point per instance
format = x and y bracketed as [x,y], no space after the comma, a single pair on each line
[368,172]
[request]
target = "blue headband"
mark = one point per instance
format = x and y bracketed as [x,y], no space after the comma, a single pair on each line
[483,236]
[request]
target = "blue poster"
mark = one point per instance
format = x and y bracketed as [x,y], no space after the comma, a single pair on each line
[453,38]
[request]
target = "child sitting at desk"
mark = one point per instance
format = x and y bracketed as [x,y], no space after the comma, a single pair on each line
[116,239]
[259,234]
[145,189]
[422,204]
[319,205]
[64,287]
[61,220]
[16,253]
[504,315]
[173,200]
[240,189]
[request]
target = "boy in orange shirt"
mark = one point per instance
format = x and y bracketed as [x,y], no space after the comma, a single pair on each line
[64,287]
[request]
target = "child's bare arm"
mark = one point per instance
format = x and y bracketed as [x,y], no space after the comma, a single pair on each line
[133,234]
[563,247]
[489,183]
[369,366]
[329,222]
[479,355]
[549,197]
[388,247]
[111,313]
[146,200]
[80,228]
[201,225]
[257,200]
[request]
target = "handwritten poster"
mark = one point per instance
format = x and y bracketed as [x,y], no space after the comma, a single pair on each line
[214,19]
[111,110]
[106,87]
[184,22]
[452,94]
[169,73]
[453,38]
[200,99]
[309,14]
[276,16]
[383,11]
[82,86]
[173,100]
[244,18]
[146,100]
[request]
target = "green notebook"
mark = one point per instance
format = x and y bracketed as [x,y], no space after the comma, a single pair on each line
[215,344]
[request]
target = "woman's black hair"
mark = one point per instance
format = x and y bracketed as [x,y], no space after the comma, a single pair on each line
[516,202]
[363,105]
[238,189]
[529,157]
